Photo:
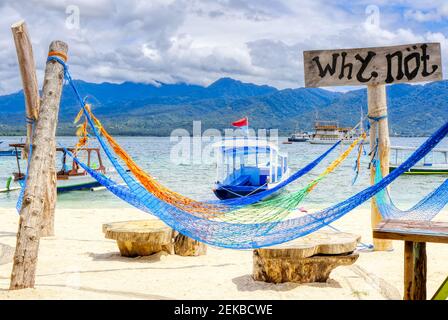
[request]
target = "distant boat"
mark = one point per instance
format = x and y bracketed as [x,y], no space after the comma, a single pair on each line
[9,152]
[71,177]
[329,132]
[299,137]
[434,163]
[247,166]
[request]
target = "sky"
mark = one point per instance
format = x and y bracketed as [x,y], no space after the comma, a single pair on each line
[200,41]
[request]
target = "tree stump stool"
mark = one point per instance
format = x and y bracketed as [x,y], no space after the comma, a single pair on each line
[305,260]
[140,238]
[184,246]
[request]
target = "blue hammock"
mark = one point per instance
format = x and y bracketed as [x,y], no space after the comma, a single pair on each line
[224,204]
[241,235]
[424,210]
[251,235]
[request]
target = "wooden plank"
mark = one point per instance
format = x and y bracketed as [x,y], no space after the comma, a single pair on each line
[408,269]
[418,291]
[416,231]
[372,66]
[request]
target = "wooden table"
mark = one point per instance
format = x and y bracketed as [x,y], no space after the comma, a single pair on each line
[146,237]
[415,234]
[141,237]
[306,259]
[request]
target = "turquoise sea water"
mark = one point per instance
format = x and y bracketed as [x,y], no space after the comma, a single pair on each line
[196,179]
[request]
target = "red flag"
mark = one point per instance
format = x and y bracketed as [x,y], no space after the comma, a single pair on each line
[244,122]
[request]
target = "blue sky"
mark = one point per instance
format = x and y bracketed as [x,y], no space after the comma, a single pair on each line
[199,41]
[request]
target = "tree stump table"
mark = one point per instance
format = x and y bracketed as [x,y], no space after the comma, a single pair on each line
[307,259]
[185,246]
[140,238]
[146,237]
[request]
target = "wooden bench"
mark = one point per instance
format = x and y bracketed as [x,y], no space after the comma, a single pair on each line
[415,234]
[307,259]
[146,237]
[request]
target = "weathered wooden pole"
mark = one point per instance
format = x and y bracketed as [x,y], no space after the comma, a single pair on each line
[27,68]
[40,176]
[379,133]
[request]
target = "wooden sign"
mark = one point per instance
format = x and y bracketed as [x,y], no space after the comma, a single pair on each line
[371,66]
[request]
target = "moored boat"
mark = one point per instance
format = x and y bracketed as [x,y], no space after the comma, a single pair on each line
[70,177]
[299,137]
[329,132]
[434,163]
[247,166]
[9,152]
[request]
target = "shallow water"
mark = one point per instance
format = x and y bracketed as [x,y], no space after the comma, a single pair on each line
[196,179]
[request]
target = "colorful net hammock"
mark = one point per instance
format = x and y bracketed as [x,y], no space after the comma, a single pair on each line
[249,235]
[425,210]
[283,203]
[210,230]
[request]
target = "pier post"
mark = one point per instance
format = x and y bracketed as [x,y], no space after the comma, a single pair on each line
[37,212]
[379,133]
[27,68]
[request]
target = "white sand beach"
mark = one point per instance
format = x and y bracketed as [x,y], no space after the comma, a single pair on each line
[79,263]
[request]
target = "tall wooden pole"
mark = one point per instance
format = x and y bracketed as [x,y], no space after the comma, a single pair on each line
[40,176]
[25,58]
[379,130]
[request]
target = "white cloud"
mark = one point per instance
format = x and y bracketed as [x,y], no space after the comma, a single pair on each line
[198,41]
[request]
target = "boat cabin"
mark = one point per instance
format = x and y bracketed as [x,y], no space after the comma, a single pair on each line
[9,152]
[435,162]
[90,156]
[247,166]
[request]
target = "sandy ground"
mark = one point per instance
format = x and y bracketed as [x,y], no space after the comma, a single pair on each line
[79,263]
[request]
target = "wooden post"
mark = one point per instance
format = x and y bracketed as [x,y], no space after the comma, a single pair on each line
[408,269]
[377,107]
[40,176]
[25,59]
[419,280]
[414,270]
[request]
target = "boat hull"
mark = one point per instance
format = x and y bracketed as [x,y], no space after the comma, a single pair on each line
[73,184]
[298,139]
[331,142]
[9,153]
[423,170]
[82,186]
[225,193]
[76,183]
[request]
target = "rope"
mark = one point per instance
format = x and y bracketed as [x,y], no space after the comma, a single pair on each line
[377,119]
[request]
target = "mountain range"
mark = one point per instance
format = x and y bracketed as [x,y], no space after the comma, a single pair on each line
[146,109]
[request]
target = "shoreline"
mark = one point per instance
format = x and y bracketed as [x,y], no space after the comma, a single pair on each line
[79,263]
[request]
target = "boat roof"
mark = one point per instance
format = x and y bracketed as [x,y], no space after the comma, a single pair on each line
[415,148]
[243,142]
[60,149]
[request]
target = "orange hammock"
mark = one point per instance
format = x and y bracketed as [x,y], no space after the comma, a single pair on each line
[159,190]
[151,184]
